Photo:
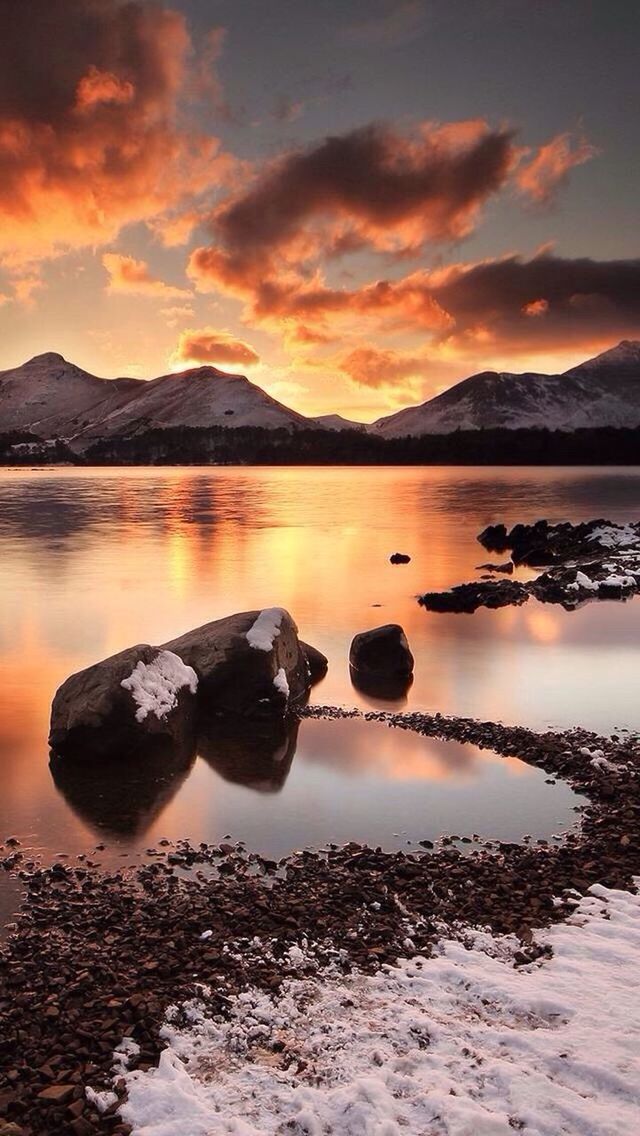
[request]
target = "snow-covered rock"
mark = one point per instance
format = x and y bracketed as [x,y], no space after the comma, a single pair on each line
[238,659]
[125,704]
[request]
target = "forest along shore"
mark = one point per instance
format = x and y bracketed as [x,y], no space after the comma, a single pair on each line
[99,957]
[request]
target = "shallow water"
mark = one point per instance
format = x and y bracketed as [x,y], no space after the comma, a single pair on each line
[91,561]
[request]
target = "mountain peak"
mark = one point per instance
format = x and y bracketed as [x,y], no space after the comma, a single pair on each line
[625,355]
[48,357]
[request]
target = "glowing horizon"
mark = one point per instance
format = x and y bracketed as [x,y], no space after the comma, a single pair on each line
[180,192]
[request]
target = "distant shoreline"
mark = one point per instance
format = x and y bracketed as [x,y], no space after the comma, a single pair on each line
[243,446]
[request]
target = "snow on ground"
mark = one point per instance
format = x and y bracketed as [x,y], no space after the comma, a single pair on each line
[265,629]
[155,685]
[462,1044]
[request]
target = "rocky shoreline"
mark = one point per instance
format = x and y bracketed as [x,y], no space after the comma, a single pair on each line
[594,560]
[95,957]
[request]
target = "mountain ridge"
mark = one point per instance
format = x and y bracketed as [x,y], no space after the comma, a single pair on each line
[53,398]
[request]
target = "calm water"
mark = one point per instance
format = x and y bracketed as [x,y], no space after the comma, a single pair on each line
[93,561]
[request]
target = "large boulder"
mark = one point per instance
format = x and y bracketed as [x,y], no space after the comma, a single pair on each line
[251,664]
[381,652]
[248,666]
[130,702]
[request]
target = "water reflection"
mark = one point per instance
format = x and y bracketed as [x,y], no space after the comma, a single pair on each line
[92,561]
[313,783]
[259,760]
[382,690]
[120,797]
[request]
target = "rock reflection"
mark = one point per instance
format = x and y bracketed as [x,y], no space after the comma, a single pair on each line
[122,797]
[258,758]
[378,689]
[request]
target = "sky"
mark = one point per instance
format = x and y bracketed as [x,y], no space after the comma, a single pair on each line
[356,205]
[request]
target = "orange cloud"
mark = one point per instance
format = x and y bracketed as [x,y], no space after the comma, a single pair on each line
[133,276]
[372,187]
[90,139]
[541,178]
[207,345]
[101,87]
[376,367]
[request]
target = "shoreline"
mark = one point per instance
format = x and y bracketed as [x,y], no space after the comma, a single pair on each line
[100,955]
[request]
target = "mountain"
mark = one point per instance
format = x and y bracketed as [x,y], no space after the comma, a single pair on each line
[201,397]
[50,397]
[336,422]
[53,398]
[604,391]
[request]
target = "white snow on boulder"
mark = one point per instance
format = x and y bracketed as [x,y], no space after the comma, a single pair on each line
[155,685]
[463,1044]
[265,629]
[280,682]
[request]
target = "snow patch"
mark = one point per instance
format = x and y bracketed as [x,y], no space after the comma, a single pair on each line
[615,536]
[463,1044]
[100,1100]
[280,682]
[265,629]
[155,685]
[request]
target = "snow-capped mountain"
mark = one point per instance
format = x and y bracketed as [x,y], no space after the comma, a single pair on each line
[604,391]
[51,397]
[203,396]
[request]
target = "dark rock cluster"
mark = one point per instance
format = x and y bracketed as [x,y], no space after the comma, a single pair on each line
[592,560]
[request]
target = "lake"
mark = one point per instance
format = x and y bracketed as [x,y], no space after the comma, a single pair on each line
[94,560]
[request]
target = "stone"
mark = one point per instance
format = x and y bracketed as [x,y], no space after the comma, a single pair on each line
[251,665]
[383,651]
[507,567]
[494,538]
[126,703]
[238,660]
[57,1094]
[317,663]
[399,558]
[469,597]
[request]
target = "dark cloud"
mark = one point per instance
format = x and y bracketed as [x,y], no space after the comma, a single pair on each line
[371,187]
[573,300]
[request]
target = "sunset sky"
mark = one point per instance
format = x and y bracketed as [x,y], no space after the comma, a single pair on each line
[355,204]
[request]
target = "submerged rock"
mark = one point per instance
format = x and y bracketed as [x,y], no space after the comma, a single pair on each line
[125,704]
[381,687]
[257,755]
[506,568]
[469,597]
[383,651]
